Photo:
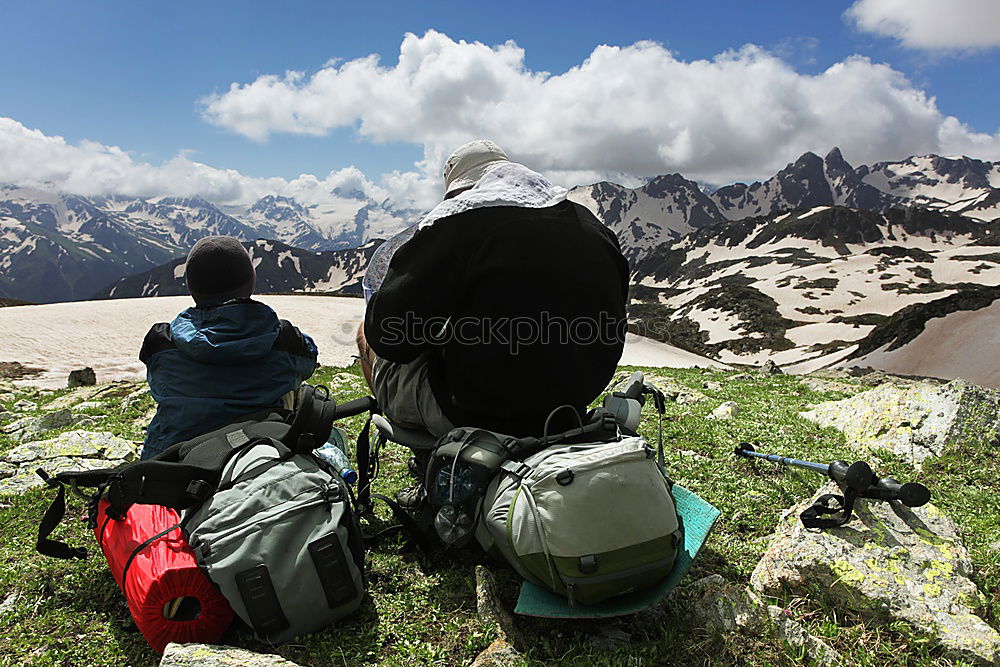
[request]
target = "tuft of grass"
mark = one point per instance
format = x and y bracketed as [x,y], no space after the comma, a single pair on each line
[422,607]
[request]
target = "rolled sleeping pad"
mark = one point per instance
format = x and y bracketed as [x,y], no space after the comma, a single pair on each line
[169,597]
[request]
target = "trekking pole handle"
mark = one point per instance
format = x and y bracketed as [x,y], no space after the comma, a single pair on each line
[633,389]
[858,475]
[911,494]
[355,407]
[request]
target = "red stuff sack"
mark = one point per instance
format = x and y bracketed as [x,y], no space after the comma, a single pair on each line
[169,597]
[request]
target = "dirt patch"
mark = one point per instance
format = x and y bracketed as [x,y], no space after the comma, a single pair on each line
[15,370]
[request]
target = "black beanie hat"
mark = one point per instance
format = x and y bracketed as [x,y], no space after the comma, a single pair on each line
[219,269]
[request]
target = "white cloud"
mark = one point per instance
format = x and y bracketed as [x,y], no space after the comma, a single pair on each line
[931,24]
[31,158]
[634,111]
[623,114]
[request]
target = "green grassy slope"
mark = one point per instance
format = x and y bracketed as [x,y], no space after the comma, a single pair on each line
[422,607]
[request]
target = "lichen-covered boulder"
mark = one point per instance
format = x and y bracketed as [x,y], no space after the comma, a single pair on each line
[499,654]
[208,655]
[723,607]
[671,388]
[73,450]
[916,421]
[889,562]
[15,427]
[719,606]
[134,398]
[791,631]
[726,411]
[675,391]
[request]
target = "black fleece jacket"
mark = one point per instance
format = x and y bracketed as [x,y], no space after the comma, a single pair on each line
[522,310]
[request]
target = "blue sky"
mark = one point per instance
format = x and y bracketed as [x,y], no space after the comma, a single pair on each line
[136,75]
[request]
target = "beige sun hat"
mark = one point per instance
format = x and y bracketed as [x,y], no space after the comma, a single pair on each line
[470,162]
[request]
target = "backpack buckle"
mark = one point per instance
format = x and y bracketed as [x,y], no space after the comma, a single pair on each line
[518,469]
[587,564]
[199,489]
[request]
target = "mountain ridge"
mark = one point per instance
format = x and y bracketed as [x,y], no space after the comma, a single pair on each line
[60,246]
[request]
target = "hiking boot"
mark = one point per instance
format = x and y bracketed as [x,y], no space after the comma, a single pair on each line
[412,497]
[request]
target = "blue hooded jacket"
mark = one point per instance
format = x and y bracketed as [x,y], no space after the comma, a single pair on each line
[212,365]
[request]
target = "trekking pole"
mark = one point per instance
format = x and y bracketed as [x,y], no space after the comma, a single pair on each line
[857,480]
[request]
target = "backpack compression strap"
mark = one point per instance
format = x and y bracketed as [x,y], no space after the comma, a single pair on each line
[53,515]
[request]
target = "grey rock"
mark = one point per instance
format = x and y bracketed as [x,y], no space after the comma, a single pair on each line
[671,388]
[24,405]
[18,425]
[7,397]
[727,410]
[114,389]
[84,377]
[343,380]
[9,603]
[876,378]
[792,632]
[711,386]
[916,421]
[208,655]
[71,444]
[889,563]
[720,606]
[52,420]
[723,607]
[7,387]
[826,384]
[132,399]
[609,638]
[488,604]
[499,654]
[90,405]
[617,380]
[7,470]
[741,377]
[25,477]
[675,391]
[71,398]
[769,368]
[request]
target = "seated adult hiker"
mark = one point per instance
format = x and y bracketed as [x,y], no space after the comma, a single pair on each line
[226,357]
[505,302]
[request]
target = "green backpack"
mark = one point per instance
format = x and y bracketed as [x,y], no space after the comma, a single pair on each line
[586,521]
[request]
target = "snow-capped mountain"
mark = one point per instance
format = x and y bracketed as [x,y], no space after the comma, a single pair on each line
[664,209]
[669,206]
[280,268]
[809,285]
[809,181]
[963,185]
[59,246]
